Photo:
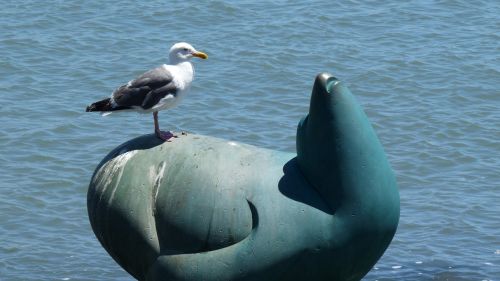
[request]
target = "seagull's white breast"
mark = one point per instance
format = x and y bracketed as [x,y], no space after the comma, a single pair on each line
[183,74]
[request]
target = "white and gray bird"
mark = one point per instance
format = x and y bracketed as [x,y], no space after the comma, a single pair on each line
[157,89]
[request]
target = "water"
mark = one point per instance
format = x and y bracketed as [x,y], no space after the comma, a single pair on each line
[426,72]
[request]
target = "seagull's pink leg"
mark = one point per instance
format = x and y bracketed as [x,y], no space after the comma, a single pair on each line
[166,136]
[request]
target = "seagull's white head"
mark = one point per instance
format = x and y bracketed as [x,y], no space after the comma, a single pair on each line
[181,52]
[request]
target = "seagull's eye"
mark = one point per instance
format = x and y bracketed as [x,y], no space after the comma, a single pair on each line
[185,49]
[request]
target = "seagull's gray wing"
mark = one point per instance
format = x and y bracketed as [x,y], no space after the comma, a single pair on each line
[146,90]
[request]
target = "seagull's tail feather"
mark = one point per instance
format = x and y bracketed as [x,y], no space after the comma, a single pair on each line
[102,105]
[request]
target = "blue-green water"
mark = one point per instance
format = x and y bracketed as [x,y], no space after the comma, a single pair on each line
[426,72]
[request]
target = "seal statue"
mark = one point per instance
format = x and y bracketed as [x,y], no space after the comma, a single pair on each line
[203,208]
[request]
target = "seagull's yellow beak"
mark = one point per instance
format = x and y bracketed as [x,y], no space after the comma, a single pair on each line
[200,55]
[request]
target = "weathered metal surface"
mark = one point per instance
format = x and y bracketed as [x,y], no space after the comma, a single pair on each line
[202,208]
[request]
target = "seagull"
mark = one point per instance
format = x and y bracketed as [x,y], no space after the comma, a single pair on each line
[157,89]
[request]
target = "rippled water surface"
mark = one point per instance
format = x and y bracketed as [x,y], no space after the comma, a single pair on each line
[426,72]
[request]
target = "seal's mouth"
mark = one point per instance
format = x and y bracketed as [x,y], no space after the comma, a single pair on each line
[331,83]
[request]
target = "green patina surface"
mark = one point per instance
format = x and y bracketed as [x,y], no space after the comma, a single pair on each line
[202,208]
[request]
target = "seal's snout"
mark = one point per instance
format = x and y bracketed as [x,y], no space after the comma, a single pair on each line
[325,83]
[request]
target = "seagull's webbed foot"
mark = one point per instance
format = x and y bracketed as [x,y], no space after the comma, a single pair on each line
[166,136]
